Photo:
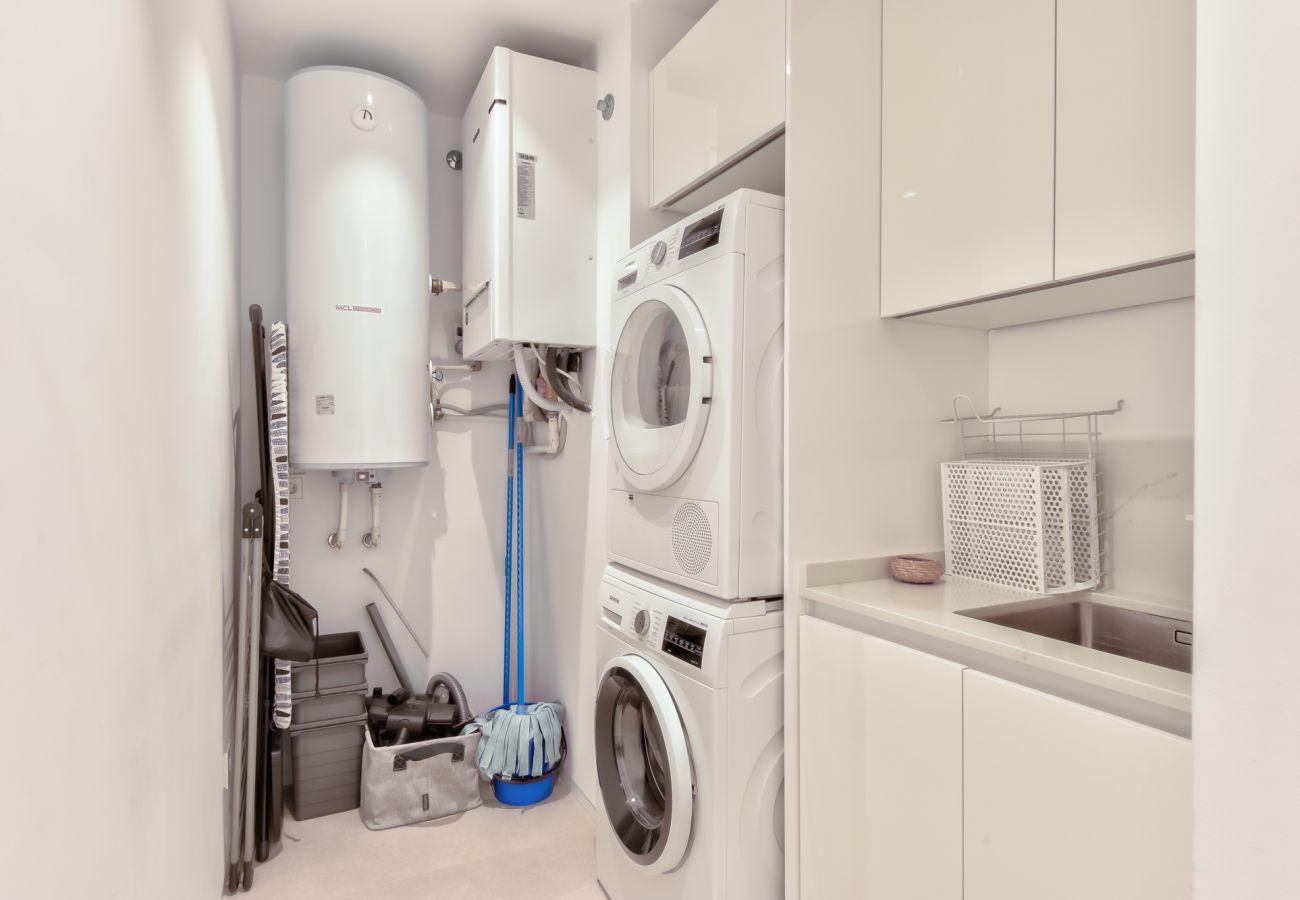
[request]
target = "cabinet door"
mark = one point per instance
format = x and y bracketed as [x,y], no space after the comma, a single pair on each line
[966,167]
[1125,132]
[716,94]
[880,768]
[1066,802]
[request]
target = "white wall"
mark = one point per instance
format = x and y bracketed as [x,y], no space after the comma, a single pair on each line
[1246,719]
[636,38]
[1144,356]
[864,395]
[117,366]
[613,191]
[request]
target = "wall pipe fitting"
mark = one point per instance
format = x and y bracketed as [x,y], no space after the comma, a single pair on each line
[340,537]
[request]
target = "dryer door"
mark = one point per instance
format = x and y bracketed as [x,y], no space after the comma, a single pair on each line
[643,764]
[661,384]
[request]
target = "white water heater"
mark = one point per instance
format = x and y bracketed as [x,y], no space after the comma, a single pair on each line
[356,270]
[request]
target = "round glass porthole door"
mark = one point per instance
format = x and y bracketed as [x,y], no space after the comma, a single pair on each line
[660,387]
[643,764]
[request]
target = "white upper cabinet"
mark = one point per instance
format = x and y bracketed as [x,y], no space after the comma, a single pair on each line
[717,96]
[1069,803]
[966,161]
[1125,132]
[1027,146]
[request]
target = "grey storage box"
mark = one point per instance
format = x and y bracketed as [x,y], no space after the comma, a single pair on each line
[315,710]
[339,667]
[418,781]
[326,766]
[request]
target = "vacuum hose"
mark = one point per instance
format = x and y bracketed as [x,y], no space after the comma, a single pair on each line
[390,651]
[553,376]
[457,693]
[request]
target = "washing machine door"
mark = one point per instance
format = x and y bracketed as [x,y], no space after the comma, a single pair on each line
[644,764]
[661,384]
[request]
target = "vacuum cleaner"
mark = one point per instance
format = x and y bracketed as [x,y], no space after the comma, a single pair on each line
[404,716]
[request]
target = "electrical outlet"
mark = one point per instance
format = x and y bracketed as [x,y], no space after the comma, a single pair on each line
[295,487]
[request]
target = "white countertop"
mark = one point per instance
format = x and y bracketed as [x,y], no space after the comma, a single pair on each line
[932,611]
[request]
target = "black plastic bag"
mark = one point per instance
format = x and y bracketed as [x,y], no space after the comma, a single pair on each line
[288,623]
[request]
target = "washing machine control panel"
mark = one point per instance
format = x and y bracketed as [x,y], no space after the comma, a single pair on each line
[684,640]
[641,621]
[644,624]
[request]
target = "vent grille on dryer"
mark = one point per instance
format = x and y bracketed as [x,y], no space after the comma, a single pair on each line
[692,538]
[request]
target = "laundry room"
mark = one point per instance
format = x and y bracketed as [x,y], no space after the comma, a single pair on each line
[520,571]
[650,449]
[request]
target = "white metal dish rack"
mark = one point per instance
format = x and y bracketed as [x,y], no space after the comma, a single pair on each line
[1021,507]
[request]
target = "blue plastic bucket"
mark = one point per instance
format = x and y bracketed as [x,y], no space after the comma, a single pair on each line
[526,790]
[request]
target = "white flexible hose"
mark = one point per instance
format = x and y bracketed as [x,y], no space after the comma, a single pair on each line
[521,369]
[555,426]
[487,411]
[376,495]
[340,537]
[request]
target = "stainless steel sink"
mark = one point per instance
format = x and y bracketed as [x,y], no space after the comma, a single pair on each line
[1143,636]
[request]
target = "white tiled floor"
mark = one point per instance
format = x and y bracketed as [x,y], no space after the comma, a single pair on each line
[546,852]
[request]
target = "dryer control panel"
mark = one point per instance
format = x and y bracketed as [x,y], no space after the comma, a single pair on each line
[701,235]
[710,233]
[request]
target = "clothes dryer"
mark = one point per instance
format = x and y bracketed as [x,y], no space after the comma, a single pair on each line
[696,401]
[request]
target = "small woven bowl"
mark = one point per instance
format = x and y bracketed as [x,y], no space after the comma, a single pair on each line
[915,569]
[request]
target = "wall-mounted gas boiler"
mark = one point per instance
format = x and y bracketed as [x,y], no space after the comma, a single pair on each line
[529,206]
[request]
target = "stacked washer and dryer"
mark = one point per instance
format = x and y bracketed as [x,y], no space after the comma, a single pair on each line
[688,715]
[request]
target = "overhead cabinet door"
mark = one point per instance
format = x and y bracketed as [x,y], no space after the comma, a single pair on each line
[967,150]
[717,95]
[880,768]
[1126,97]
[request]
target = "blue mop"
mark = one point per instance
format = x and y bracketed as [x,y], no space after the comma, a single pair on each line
[522,748]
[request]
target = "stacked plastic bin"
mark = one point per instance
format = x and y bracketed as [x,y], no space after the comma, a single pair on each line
[329,727]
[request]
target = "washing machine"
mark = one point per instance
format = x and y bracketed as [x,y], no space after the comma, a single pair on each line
[688,744]
[696,401]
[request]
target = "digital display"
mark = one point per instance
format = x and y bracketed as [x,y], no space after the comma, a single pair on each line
[684,641]
[701,234]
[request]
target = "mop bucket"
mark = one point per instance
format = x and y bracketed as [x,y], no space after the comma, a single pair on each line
[525,790]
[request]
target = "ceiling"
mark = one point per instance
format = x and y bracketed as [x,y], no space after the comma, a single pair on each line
[437,47]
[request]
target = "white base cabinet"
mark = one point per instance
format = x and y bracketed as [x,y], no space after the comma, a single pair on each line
[922,779]
[1067,802]
[879,768]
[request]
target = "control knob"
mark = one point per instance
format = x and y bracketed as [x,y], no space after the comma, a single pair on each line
[641,623]
[658,253]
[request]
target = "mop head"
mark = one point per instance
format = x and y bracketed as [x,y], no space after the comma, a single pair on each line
[520,741]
